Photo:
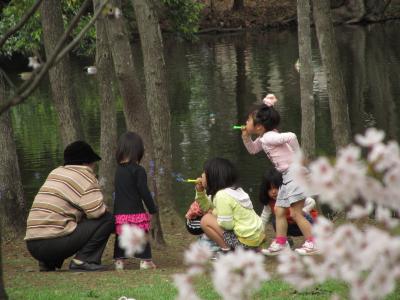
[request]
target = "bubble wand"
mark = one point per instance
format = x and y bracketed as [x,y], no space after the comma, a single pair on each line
[190,180]
[238,127]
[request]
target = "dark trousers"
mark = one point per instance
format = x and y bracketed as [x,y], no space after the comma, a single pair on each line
[119,253]
[88,241]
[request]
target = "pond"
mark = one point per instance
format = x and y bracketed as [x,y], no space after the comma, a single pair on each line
[212,83]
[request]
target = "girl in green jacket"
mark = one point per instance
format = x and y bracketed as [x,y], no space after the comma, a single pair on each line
[231,221]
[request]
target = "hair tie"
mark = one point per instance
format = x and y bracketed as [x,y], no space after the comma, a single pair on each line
[270,100]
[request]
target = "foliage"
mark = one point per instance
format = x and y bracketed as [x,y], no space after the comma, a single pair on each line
[28,39]
[184,16]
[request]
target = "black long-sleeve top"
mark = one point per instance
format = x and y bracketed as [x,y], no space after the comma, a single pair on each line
[131,190]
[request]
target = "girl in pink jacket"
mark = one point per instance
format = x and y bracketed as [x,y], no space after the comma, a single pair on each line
[280,148]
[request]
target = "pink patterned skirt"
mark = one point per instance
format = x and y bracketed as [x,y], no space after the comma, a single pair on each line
[141,220]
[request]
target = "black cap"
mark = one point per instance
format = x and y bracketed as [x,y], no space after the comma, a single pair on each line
[79,152]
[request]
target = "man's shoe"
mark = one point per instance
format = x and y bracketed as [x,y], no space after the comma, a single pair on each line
[43,267]
[85,267]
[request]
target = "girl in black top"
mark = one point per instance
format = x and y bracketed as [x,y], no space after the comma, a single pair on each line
[131,191]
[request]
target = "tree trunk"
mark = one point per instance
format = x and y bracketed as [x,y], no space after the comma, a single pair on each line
[135,108]
[238,4]
[352,44]
[335,84]
[60,75]
[5,127]
[240,79]
[108,118]
[306,79]
[3,294]
[12,203]
[157,104]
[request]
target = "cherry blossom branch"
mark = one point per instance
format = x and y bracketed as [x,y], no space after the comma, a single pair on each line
[59,52]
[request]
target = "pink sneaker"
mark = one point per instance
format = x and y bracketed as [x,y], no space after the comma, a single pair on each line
[275,248]
[308,248]
[147,264]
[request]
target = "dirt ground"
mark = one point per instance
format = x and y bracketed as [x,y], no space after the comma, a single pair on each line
[266,14]
[16,258]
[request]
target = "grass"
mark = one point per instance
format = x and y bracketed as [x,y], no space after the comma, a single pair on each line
[23,281]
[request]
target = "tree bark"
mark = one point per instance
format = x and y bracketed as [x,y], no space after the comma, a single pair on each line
[306,79]
[135,108]
[108,117]
[238,4]
[157,104]
[335,83]
[3,294]
[60,75]
[12,203]
[240,79]
[5,126]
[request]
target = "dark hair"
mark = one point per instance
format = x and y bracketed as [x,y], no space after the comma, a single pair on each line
[267,116]
[220,174]
[271,178]
[130,147]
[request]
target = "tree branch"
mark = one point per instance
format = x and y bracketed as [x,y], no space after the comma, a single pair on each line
[4,74]
[76,40]
[30,85]
[21,23]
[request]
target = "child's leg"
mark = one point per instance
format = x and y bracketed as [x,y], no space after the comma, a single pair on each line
[280,242]
[296,212]
[211,228]
[146,253]
[281,222]
[119,253]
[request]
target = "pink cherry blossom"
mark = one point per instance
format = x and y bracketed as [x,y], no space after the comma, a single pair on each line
[132,239]
[372,136]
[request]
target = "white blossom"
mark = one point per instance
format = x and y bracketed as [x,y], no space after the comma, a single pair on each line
[91,70]
[132,239]
[34,62]
[197,254]
[384,215]
[237,274]
[185,288]
[117,13]
[359,211]
[372,136]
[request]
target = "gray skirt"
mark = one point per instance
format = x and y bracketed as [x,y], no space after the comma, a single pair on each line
[289,192]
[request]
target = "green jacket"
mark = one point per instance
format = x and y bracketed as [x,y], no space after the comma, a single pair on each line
[234,211]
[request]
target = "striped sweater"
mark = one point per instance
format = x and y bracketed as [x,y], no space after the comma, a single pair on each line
[69,193]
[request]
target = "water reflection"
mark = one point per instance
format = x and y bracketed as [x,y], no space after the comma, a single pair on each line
[211,86]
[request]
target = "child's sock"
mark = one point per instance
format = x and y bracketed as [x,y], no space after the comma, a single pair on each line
[281,240]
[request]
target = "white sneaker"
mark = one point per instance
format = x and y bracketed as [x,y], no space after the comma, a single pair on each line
[275,248]
[119,265]
[308,248]
[147,264]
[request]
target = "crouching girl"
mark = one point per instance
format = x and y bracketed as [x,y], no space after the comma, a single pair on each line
[233,221]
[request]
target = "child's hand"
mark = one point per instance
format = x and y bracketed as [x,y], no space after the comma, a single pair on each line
[199,185]
[245,133]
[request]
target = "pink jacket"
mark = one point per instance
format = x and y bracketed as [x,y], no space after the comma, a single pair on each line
[279,147]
